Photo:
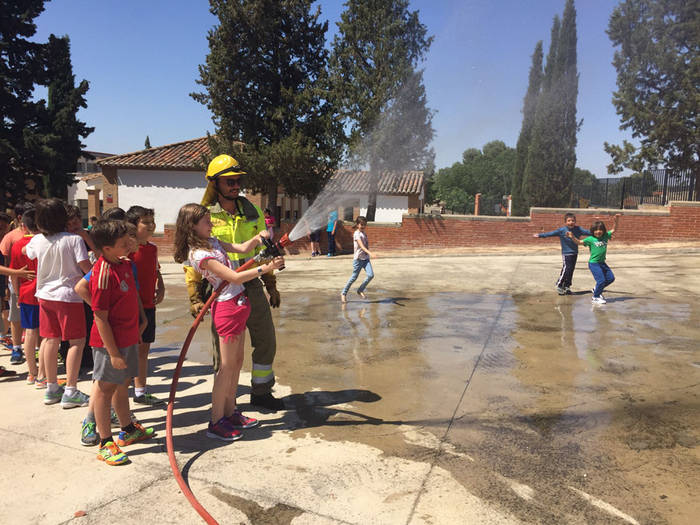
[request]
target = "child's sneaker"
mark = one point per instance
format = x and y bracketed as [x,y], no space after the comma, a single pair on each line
[561,291]
[222,429]
[139,434]
[241,422]
[78,399]
[148,399]
[568,291]
[88,434]
[51,398]
[40,383]
[112,454]
[17,357]
[598,300]
[31,379]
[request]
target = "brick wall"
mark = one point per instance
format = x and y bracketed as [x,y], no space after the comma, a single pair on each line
[680,221]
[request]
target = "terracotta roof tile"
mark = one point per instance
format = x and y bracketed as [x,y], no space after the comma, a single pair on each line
[181,155]
[406,183]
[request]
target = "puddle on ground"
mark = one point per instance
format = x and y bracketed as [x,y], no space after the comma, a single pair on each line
[545,392]
[549,392]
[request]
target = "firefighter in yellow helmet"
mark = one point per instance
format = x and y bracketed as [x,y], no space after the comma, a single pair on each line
[235,219]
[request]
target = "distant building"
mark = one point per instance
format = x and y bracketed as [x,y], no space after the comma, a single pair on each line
[166,177]
[89,182]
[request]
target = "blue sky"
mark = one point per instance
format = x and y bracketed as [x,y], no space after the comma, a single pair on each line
[141,61]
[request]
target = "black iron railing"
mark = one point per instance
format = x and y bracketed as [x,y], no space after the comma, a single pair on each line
[659,187]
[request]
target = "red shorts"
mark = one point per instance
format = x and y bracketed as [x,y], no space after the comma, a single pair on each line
[230,316]
[61,320]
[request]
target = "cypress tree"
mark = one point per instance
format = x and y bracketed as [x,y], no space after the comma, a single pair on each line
[548,175]
[568,93]
[147,143]
[543,143]
[64,101]
[520,201]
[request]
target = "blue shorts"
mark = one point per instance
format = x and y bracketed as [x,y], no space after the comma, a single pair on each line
[29,315]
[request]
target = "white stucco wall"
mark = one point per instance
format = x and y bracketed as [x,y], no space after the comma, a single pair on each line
[390,208]
[164,191]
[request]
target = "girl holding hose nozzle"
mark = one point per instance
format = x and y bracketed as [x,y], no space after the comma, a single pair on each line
[230,311]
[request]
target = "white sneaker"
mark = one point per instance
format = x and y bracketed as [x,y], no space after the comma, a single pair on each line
[598,300]
[561,291]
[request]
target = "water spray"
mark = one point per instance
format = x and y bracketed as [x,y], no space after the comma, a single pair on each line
[270,251]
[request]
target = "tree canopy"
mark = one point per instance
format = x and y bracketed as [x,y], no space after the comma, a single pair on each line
[266,84]
[38,140]
[658,69]
[549,172]
[379,89]
[487,171]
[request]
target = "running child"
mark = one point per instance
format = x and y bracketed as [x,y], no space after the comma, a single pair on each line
[151,292]
[569,251]
[61,262]
[114,340]
[597,243]
[360,259]
[28,303]
[207,255]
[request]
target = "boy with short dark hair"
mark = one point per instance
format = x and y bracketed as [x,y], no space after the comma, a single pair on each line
[151,291]
[114,339]
[569,251]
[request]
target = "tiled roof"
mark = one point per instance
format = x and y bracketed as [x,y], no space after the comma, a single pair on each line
[181,155]
[90,176]
[405,183]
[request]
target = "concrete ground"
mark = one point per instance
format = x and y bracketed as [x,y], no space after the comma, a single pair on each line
[462,390]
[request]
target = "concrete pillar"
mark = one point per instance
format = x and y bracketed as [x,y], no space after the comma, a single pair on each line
[477,202]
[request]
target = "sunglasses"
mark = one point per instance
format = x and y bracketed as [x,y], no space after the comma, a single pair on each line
[233,181]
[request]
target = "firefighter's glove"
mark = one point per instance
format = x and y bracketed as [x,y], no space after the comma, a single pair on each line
[194,290]
[271,286]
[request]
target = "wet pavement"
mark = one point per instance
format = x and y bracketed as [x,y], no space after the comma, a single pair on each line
[462,390]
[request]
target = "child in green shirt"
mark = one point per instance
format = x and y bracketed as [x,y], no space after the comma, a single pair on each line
[597,243]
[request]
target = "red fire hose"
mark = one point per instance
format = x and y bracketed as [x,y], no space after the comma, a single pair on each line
[208,518]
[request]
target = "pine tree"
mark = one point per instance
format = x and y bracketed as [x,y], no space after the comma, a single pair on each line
[20,67]
[265,83]
[147,143]
[66,131]
[375,55]
[657,61]
[520,201]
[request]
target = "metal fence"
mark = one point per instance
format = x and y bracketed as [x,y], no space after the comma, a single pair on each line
[657,187]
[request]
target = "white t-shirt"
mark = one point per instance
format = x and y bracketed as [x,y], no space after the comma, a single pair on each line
[199,255]
[57,265]
[359,252]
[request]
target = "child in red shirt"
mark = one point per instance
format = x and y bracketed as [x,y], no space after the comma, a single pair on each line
[114,339]
[151,291]
[28,303]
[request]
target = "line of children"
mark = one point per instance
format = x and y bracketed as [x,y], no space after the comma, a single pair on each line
[48,264]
